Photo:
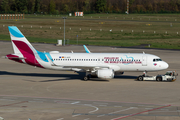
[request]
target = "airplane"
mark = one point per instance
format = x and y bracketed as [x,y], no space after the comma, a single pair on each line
[103,65]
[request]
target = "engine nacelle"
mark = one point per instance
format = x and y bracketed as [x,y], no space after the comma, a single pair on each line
[105,73]
[54,52]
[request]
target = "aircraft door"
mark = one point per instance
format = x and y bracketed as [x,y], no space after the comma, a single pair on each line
[144,61]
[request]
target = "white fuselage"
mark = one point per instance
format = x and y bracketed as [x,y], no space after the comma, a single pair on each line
[115,61]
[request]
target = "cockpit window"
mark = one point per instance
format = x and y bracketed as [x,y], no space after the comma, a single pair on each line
[156,60]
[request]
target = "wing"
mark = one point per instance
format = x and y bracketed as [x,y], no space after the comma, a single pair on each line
[90,68]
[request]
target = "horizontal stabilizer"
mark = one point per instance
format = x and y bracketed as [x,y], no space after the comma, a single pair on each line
[18,58]
[13,56]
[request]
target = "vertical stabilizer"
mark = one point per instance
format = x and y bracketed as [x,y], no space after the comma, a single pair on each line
[23,48]
[19,41]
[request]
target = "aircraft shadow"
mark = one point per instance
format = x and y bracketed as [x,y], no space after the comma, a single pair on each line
[125,77]
[66,76]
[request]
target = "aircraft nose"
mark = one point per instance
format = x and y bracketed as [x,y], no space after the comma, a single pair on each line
[165,65]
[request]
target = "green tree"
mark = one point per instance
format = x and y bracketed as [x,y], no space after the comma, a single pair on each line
[52,7]
[30,6]
[5,6]
[66,8]
[13,6]
[21,5]
[100,5]
[36,6]
[86,6]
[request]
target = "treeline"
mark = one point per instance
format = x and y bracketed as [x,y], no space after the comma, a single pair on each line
[88,6]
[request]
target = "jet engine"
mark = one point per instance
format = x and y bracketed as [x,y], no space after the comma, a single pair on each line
[105,73]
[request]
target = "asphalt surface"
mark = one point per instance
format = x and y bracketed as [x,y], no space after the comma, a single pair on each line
[40,94]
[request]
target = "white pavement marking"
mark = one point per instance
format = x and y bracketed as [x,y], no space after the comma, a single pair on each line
[122,110]
[101,115]
[10,100]
[75,102]
[37,99]
[60,119]
[86,119]
[10,97]
[117,106]
[92,106]
[31,101]
[90,111]
[140,105]
[148,108]
[103,105]
[99,103]
[117,111]
[165,109]
[76,115]
[3,99]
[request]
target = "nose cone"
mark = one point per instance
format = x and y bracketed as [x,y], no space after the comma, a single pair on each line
[165,65]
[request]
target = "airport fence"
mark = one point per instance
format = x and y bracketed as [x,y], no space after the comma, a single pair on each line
[11,16]
[86,29]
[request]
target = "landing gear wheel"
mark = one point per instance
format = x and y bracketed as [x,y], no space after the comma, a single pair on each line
[159,79]
[85,78]
[140,78]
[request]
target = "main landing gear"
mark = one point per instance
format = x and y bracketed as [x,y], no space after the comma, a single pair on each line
[87,76]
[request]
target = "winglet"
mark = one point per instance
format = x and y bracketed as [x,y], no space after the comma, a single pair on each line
[86,49]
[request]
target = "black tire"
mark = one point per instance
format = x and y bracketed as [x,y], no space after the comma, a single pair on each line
[85,78]
[159,79]
[140,78]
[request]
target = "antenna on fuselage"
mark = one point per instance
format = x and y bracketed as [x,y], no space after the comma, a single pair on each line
[143,52]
